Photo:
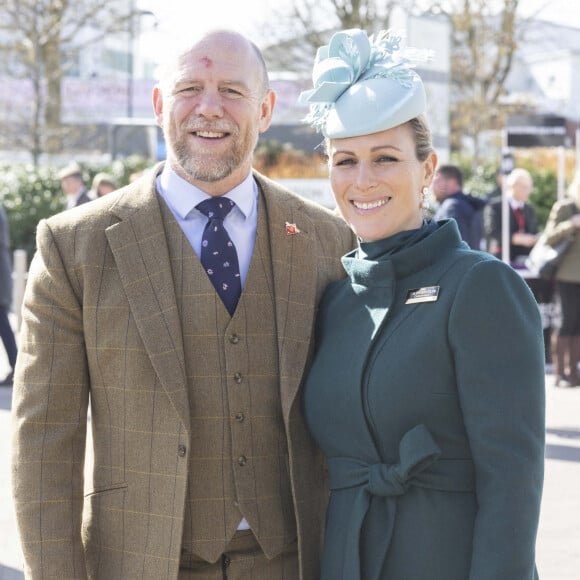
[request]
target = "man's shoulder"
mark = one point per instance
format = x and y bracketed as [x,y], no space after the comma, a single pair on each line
[271,186]
[449,206]
[98,213]
[459,198]
[276,191]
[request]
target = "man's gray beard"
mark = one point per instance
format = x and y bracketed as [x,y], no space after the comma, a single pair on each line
[216,168]
[202,170]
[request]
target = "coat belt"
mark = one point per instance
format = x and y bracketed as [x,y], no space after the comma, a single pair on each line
[419,465]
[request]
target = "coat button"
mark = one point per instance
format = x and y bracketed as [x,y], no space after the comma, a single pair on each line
[234,339]
[238,378]
[181,450]
[242,460]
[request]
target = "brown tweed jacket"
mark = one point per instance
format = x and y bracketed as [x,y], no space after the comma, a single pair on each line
[101,329]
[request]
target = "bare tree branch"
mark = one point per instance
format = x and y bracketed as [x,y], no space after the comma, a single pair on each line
[38,39]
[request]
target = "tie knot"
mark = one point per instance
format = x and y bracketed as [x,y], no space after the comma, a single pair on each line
[216,207]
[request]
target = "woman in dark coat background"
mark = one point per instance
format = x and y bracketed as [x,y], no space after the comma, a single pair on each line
[564,222]
[426,391]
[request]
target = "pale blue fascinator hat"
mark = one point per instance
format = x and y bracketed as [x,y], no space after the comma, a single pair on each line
[364,84]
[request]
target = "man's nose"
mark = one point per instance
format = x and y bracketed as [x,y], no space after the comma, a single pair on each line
[210,104]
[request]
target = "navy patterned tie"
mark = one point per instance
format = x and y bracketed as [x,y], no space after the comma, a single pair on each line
[218,253]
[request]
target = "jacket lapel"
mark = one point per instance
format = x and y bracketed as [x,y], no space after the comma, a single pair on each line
[139,247]
[294,272]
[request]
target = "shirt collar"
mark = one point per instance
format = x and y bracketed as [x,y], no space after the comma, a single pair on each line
[516,204]
[183,196]
[71,200]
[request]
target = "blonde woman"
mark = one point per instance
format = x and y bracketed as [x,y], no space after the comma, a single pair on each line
[426,391]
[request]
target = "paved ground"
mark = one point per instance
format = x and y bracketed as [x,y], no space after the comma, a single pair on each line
[558,549]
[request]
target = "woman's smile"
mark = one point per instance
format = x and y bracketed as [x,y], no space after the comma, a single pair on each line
[370,205]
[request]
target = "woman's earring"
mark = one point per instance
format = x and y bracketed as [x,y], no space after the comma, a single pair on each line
[425,199]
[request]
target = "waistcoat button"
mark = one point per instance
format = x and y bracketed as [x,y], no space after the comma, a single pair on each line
[238,378]
[234,339]
[242,460]
[239,417]
[181,450]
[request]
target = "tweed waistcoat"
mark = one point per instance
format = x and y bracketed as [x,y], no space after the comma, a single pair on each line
[238,464]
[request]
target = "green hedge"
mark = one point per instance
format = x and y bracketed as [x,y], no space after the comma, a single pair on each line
[30,194]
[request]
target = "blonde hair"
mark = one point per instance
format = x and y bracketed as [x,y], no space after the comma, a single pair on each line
[423,139]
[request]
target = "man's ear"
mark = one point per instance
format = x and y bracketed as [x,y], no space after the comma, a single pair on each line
[267,110]
[158,104]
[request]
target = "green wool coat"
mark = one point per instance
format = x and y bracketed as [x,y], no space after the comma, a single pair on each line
[427,396]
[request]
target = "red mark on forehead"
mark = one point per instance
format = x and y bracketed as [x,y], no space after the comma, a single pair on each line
[205,61]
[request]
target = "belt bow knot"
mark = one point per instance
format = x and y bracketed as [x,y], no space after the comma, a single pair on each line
[381,484]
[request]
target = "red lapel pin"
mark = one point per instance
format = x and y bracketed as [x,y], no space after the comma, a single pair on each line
[291,229]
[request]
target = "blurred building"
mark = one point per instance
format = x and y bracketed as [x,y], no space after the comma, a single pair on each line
[107,91]
[104,80]
[546,71]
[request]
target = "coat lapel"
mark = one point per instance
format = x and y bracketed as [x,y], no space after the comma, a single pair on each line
[139,247]
[294,273]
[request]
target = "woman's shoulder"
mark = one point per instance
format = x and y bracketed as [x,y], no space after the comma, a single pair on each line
[483,269]
[565,205]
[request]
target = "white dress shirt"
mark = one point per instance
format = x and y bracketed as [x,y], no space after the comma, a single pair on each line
[241,223]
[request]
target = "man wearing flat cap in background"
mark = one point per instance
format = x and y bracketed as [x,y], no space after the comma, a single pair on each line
[73,185]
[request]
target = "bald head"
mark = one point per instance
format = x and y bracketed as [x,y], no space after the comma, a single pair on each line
[236,45]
